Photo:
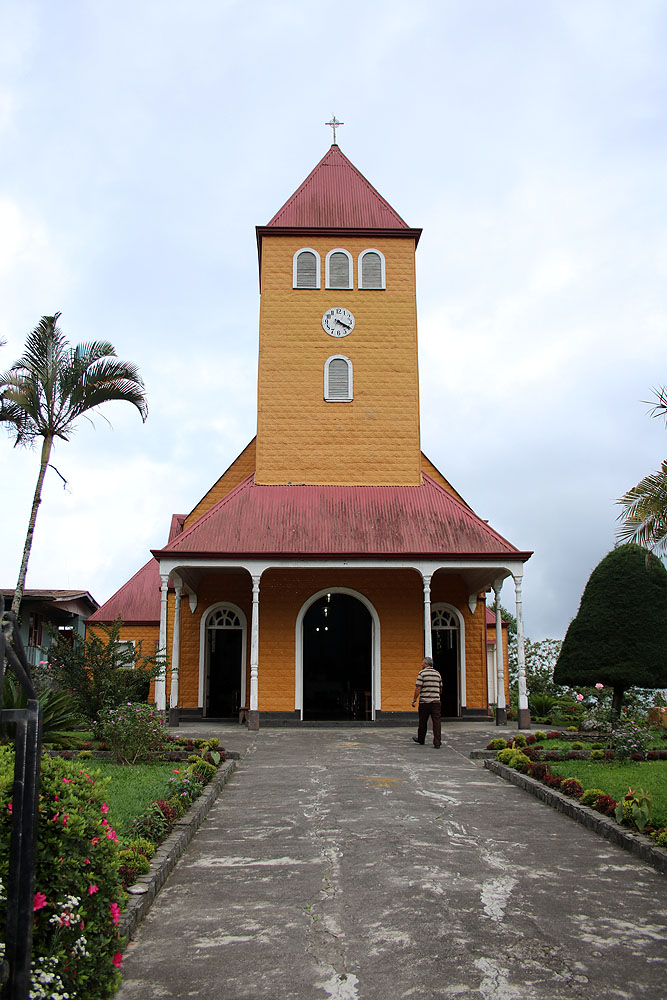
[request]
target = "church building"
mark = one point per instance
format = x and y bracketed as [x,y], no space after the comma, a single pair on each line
[331,556]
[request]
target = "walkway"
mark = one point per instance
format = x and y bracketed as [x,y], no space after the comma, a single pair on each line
[352,864]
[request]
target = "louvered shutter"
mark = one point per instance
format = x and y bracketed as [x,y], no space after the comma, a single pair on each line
[306,270]
[338,379]
[371,271]
[339,271]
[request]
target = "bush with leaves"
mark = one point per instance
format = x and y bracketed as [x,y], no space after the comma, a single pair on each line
[102,671]
[77,898]
[132,732]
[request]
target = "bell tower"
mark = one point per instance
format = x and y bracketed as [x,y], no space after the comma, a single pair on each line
[338,388]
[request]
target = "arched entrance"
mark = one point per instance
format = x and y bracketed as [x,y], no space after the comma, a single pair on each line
[337,650]
[445,639]
[224,647]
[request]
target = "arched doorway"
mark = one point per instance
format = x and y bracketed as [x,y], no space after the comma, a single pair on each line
[337,633]
[445,639]
[224,644]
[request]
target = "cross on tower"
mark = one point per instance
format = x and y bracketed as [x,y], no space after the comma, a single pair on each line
[334,123]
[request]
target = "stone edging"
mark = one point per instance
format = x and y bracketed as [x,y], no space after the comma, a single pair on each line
[145,889]
[606,827]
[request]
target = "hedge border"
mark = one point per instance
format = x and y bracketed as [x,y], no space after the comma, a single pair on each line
[145,889]
[604,826]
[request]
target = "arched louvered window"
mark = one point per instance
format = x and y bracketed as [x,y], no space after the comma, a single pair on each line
[338,379]
[371,269]
[306,269]
[338,268]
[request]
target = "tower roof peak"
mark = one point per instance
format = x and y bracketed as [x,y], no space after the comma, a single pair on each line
[335,195]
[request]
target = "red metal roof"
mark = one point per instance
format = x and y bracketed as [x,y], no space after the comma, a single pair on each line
[335,521]
[336,195]
[491,619]
[137,601]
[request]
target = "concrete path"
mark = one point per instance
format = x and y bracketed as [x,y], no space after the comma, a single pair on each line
[352,864]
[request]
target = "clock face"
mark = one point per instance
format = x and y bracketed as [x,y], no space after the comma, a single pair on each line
[338,322]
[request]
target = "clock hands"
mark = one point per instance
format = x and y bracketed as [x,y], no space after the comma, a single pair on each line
[346,325]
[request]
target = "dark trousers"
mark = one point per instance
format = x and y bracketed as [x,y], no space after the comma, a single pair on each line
[429,709]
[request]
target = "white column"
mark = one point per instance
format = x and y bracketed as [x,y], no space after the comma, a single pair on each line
[175,658]
[428,648]
[501,704]
[253,713]
[161,679]
[524,713]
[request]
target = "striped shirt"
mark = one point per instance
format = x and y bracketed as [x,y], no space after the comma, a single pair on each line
[430,682]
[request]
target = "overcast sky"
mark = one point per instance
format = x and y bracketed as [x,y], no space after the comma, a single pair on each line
[140,144]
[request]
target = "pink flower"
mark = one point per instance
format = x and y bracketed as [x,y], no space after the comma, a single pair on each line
[67,781]
[104,807]
[580,697]
[94,841]
[86,861]
[115,913]
[40,901]
[599,686]
[117,960]
[10,807]
[92,889]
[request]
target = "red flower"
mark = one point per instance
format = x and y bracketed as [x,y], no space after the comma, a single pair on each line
[104,807]
[117,960]
[40,901]
[92,889]
[115,913]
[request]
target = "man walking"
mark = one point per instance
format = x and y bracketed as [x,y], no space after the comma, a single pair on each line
[428,689]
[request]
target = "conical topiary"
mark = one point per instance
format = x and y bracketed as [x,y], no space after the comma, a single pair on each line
[619,635]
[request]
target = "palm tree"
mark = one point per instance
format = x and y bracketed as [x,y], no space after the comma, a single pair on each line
[51,385]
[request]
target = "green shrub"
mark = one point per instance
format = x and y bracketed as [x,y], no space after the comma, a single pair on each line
[77,897]
[540,736]
[577,745]
[572,787]
[597,754]
[497,744]
[635,809]
[140,845]
[84,755]
[572,729]
[132,865]
[661,838]
[598,746]
[202,771]
[151,825]
[519,740]
[133,732]
[102,671]
[514,758]
[591,796]
[213,743]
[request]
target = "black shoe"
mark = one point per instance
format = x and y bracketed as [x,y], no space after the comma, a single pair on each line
[415,740]
[436,746]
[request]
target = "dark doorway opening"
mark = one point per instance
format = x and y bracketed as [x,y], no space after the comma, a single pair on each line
[224,648]
[445,642]
[337,659]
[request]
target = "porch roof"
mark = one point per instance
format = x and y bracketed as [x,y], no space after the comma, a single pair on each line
[344,521]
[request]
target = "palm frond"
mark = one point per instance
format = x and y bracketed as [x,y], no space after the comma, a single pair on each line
[644,512]
[659,408]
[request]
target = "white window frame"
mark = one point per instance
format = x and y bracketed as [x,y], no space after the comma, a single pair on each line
[383,273]
[133,644]
[303,288]
[350,371]
[350,271]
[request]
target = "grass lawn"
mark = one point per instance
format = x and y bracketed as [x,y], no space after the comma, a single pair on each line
[615,777]
[131,789]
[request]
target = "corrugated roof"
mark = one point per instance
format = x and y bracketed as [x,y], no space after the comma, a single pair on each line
[51,595]
[138,600]
[335,521]
[336,195]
